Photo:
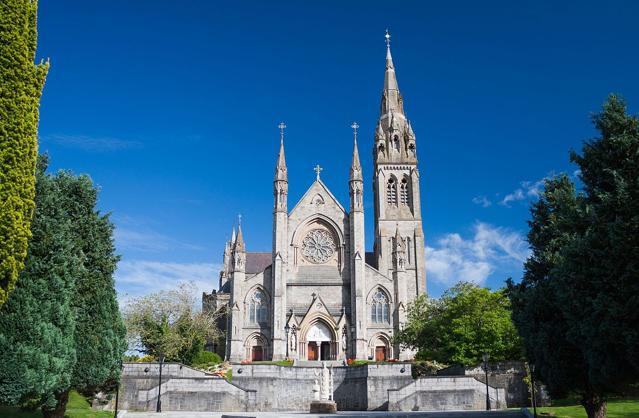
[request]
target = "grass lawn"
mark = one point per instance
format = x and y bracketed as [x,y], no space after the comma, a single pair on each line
[617,408]
[78,407]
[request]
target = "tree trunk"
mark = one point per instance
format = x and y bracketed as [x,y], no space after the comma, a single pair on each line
[595,405]
[61,406]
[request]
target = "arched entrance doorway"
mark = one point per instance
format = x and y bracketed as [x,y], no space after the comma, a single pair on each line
[320,342]
[255,346]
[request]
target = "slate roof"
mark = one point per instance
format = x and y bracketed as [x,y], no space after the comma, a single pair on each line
[257,262]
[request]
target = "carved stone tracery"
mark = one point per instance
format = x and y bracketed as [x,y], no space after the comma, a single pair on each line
[318,246]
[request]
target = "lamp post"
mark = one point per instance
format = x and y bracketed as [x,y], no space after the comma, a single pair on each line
[485,357]
[159,406]
[286,330]
[532,384]
[117,392]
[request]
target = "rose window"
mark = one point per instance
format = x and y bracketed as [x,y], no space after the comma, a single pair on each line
[318,246]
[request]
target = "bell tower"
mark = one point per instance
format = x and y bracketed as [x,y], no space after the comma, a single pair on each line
[398,217]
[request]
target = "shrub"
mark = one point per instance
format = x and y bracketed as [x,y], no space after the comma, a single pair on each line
[206,357]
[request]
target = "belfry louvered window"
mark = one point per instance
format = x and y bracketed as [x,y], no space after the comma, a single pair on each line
[380,308]
[403,192]
[391,192]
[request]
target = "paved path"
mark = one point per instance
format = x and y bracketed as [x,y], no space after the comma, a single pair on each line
[353,414]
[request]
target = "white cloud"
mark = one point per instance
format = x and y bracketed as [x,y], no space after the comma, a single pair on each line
[95,144]
[140,277]
[491,248]
[527,190]
[482,201]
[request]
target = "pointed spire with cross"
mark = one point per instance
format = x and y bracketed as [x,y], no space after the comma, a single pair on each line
[356,168]
[355,126]
[280,170]
[282,126]
[317,170]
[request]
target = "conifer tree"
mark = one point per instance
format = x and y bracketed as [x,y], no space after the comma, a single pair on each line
[577,306]
[99,333]
[37,323]
[61,329]
[21,83]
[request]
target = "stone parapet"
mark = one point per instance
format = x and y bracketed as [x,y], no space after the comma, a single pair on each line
[444,393]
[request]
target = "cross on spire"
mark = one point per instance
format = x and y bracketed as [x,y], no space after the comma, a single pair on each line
[282,126]
[355,126]
[239,219]
[387,36]
[317,170]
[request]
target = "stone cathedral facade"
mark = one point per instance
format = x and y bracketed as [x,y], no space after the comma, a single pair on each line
[318,295]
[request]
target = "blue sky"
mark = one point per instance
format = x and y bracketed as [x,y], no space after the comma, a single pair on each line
[172,108]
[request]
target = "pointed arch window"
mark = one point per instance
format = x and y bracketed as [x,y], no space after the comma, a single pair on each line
[391,191]
[257,307]
[380,308]
[403,192]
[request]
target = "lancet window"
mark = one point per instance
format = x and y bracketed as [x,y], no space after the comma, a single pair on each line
[257,307]
[380,308]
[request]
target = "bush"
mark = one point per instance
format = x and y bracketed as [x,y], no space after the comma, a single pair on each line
[206,357]
[425,368]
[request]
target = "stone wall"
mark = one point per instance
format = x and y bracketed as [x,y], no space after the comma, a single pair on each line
[444,393]
[183,389]
[508,375]
[265,387]
[360,388]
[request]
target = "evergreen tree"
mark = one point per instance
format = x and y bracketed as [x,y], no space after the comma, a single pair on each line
[99,334]
[37,322]
[21,83]
[577,306]
[61,328]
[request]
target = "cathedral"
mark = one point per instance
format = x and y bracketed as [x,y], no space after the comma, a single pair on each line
[318,295]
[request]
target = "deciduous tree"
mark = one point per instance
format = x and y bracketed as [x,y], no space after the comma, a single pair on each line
[167,323]
[464,323]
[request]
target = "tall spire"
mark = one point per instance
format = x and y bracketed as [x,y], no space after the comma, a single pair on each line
[239,241]
[233,236]
[280,169]
[391,98]
[356,167]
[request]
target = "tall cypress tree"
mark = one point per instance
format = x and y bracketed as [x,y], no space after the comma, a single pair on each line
[100,333]
[21,83]
[37,323]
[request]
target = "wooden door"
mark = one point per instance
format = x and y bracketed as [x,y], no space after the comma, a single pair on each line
[257,353]
[312,351]
[380,353]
